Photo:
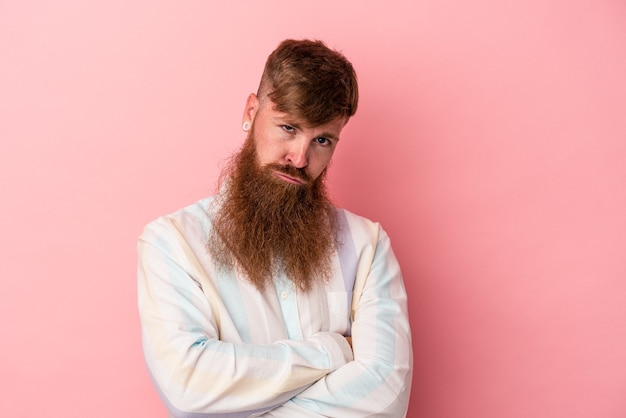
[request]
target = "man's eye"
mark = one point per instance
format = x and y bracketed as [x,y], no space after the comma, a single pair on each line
[322,141]
[288,128]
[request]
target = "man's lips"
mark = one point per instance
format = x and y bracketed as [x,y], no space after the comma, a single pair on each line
[289,179]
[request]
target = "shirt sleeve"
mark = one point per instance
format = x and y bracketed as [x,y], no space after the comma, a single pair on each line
[378,381]
[198,375]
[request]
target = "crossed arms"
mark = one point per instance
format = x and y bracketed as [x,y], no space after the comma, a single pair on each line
[205,364]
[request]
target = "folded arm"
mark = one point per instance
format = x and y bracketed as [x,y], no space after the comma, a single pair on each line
[378,381]
[196,373]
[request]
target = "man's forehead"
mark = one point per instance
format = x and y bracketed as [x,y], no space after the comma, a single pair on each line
[291,119]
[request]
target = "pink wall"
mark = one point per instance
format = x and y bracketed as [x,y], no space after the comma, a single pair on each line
[490,142]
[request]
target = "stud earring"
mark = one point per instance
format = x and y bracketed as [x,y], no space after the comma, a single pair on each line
[246,126]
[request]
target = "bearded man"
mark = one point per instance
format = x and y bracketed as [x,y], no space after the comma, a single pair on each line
[265,299]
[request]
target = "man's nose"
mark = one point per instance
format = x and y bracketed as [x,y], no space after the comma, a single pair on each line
[297,155]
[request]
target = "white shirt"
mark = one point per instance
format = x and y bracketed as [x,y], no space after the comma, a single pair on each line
[216,346]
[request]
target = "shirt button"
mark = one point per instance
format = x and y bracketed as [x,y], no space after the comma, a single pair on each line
[284,295]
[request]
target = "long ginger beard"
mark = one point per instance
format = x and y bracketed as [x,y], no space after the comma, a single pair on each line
[264,226]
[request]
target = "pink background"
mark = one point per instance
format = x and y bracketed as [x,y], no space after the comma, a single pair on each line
[490,143]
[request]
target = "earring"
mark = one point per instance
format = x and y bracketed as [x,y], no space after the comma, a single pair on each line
[246,126]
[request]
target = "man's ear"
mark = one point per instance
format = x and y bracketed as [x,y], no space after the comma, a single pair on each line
[252,106]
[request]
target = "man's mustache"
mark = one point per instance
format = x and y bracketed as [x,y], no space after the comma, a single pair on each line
[291,171]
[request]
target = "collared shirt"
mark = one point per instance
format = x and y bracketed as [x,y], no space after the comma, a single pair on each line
[216,346]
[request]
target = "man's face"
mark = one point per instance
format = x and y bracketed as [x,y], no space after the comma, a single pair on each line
[276,197]
[283,141]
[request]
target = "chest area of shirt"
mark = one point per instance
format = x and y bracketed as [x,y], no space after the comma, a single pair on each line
[282,312]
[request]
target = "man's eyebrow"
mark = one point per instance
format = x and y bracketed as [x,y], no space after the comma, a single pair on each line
[329,135]
[285,120]
[297,125]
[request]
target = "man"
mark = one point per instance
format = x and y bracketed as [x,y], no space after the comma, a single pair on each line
[266,300]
